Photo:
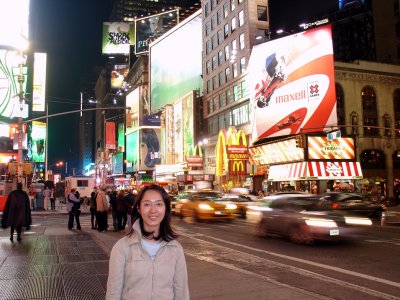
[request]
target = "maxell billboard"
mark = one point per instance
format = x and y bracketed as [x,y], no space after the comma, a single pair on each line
[293,85]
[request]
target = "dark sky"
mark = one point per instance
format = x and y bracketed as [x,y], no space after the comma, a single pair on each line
[70,32]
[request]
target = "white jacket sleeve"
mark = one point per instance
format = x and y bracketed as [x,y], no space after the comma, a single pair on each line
[115,282]
[181,286]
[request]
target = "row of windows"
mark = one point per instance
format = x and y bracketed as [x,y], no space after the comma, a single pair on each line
[234,117]
[210,6]
[230,95]
[370,113]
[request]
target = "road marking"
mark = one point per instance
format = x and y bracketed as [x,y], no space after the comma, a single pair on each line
[336,269]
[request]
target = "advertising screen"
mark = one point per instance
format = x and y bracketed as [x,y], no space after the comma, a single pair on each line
[132,115]
[292,84]
[350,3]
[150,152]
[39,82]
[9,85]
[121,137]
[150,28]
[132,148]
[14,23]
[38,137]
[117,163]
[175,63]
[118,74]
[117,37]
[322,148]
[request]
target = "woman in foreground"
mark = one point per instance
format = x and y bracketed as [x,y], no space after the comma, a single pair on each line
[148,263]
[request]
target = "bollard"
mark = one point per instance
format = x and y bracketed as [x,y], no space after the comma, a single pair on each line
[383,219]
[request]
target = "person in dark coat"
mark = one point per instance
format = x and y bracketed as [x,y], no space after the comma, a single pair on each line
[17,212]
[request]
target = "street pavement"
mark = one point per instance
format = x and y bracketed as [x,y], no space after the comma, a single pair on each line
[53,262]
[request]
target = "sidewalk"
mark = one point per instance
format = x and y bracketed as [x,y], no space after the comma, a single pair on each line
[52,262]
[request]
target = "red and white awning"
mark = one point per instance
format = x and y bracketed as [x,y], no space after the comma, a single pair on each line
[315,171]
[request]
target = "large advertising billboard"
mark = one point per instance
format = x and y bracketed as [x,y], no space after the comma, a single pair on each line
[152,27]
[293,84]
[39,82]
[118,74]
[14,23]
[132,148]
[175,63]
[38,137]
[9,85]
[150,152]
[117,37]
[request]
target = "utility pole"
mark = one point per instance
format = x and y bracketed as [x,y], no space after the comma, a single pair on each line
[21,79]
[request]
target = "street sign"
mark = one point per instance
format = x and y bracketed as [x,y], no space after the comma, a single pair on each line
[333,135]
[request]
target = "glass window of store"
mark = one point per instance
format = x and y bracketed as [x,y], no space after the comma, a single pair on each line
[396,105]
[370,114]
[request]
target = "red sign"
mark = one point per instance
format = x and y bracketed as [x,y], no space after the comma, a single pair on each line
[110,135]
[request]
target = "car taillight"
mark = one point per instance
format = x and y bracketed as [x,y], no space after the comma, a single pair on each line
[335,205]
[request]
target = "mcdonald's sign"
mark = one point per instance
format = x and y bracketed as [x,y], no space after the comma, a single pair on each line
[237,167]
[236,144]
[194,156]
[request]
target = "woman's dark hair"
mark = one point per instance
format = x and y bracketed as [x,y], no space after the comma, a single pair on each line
[166,232]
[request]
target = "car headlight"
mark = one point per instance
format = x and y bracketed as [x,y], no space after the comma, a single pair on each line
[358,221]
[231,206]
[205,206]
[321,223]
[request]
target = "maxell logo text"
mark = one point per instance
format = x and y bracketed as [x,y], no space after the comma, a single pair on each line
[291,97]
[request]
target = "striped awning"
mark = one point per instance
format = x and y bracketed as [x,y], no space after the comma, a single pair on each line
[315,171]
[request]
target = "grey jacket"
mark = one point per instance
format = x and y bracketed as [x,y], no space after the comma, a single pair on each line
[133,275]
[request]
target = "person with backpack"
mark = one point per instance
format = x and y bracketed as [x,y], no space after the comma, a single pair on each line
[73,208]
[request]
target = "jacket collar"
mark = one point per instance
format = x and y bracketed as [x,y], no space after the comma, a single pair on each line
[137,236]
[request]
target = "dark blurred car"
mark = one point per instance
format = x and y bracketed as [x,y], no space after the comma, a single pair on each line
[204,205]
[242,202]
[354,202]
[305,218]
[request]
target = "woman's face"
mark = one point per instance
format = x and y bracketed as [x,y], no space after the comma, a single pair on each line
[152,209]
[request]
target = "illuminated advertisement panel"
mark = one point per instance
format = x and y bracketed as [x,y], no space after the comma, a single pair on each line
[14,23]
[9,85]
[121,137]
[293,85]
[274,153]
[132,115]
[178,134]
[187,121]
[110,135]
[150,152]
[350,3]
[117,163]
[38,137]
[132,149]
[169,142]
[152,27]
[117,36]
[175,63]
[39,82]
[321,148]
[118,74]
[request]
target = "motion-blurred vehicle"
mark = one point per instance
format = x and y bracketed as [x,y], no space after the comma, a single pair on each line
[204,205]
[354,202]
[173,200]
[242,202]
[305,219]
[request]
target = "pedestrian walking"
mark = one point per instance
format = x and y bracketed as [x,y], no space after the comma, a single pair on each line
[123,207]
[129,199]
[73,208]
[52,200]
[46,195]
[102,207]
[149,263]
[92,208]
[17,212]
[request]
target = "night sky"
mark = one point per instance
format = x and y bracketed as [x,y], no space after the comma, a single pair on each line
[70,32]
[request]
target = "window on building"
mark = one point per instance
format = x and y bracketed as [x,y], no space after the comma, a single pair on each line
[206,9]
[341,114]
[213,127]
[207,28]
[215,103]
[208,67]
[219,17]
[208,86]
[212,23]
[262,13]
[220,37]
[243,89]
[233,24]
[214,62]
[234,45]
[208,47]
[241,41]
[221,78]
[228,96]
[213,45]
[225,9]
[240,115]
[240,1]
[226,30]
[209,107]
[220,57]
[396,104]
[227,74]
[241,18]
[370,114]
[226,52]
[214,83]
[233,5]
[242,65]
[213,3]
[373,159]
[221,99]
[235,93]
[234,70]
